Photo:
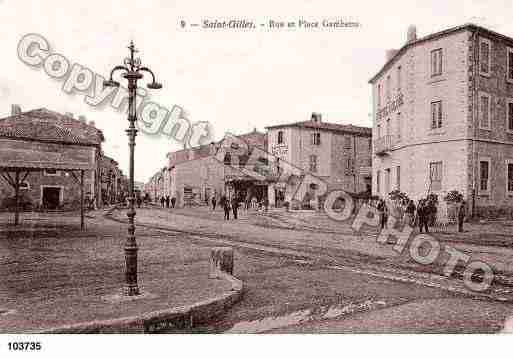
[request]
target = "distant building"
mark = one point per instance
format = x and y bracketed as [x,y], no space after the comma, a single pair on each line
[338,154]
[443,118]
[114,185]
[195,175]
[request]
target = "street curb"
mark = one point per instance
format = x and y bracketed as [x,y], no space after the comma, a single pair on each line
[171,320]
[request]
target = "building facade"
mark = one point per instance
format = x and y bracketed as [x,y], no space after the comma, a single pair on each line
[338,154]
[50,188]
[194,176]
[114,184]
[57,189]
[443,118]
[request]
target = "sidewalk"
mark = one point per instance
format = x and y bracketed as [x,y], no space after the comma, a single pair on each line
[67,277]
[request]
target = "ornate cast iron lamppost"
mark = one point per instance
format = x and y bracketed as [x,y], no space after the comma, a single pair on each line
[132,71]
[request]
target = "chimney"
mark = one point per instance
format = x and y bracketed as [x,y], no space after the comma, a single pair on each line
[69,114]
[390,53]
[82,118]
[316,117]
[412,34]
[15,110]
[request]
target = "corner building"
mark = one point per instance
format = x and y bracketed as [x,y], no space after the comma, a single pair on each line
[443,118]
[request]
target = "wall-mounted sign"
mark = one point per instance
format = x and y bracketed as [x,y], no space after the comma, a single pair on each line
[279,150]
[390,107]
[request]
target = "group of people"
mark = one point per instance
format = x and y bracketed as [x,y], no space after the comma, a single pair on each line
[423,215]
[164,201]
[228,205]
[232,205]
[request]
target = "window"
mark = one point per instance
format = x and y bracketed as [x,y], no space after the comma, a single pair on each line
[379,96]
[51,173]
[387,181]
[280,137]
[398,178]
[484,57]
[399,78]
[509,176]
[378,180]
[24,185]
[484,111]
[349,165]
[399,126]
[388,127]
[316,138]
[370,143]
[227,159]
[313,163]
[509,76]
[436,114]
[484,175]
[436,62]
[347,142]
[509,116]
[388,87]
[379,131]
[435,176]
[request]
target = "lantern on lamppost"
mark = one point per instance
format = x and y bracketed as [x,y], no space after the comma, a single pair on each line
[132,71]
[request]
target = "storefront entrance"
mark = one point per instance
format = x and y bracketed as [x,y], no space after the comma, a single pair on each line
[246,190]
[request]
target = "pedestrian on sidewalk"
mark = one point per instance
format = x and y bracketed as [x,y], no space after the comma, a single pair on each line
[410,213]
[167,201]
[423,216]
[235,207]
[162,200]
[461,215]
[383,213]
[173,202]
[214,202]
[226,207]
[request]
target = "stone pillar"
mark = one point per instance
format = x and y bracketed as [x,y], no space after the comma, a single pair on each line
[221,260]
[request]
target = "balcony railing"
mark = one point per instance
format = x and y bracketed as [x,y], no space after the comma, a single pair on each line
[384,144]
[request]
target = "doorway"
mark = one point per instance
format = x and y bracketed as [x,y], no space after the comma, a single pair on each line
[51,197]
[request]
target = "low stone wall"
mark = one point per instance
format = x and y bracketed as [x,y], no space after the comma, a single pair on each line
[177,319]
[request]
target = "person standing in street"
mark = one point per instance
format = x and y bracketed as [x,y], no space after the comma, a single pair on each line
[173,202]
[410,213]
[382,210]
[226,206]
[461,215]
[167,201]
[423,216]
[235,207]
[162,200]
[214,202]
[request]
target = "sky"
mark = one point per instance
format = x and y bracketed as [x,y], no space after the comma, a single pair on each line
[236,80]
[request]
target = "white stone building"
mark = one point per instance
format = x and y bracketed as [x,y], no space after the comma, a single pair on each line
[443,118]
